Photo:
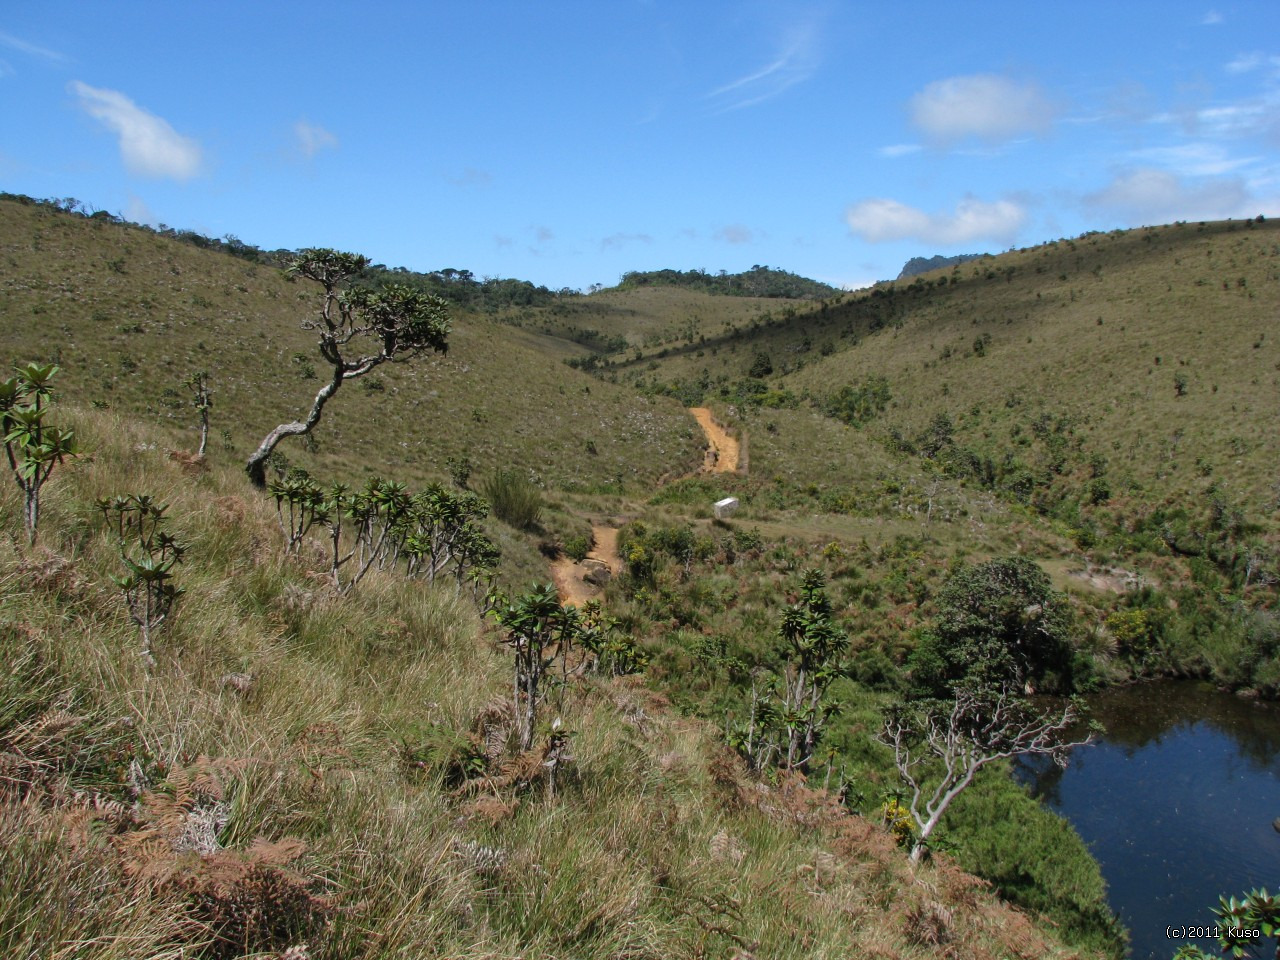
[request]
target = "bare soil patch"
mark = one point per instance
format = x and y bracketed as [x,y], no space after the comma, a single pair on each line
[722,450]
[601,563]
[1107,579]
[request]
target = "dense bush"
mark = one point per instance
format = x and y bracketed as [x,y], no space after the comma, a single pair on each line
[998,622]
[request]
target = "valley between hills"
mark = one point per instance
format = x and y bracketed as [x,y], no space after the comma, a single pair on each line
[1042,473]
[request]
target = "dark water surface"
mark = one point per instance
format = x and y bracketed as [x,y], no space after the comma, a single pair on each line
[1176,801]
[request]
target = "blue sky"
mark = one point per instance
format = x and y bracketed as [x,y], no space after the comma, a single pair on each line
[566,143]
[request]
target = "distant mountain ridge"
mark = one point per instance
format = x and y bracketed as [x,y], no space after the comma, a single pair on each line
[925,264]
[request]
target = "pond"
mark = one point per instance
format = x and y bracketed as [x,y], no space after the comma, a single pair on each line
[1176,802]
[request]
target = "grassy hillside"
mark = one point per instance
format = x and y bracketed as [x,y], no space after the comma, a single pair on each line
[130,315]
[1010,407]
[1157,345]
[299,768]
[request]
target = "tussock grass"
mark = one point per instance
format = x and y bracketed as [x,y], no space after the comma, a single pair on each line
[514,498]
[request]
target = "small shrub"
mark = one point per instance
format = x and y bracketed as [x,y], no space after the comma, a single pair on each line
[33,447]
[149,556]
[577,548]
[459,470]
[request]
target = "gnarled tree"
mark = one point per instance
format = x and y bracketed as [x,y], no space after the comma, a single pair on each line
[945,743]
[358,330]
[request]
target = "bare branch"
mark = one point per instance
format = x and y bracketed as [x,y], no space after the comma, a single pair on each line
[962,736]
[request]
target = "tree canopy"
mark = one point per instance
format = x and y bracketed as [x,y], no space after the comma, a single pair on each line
[759,281]
[999,622]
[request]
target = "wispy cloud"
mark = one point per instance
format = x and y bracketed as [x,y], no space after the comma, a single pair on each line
[796,61]
[983,106]
[880,219]
[470,177]
[1193,159]
[1245,62]
[311,138]
[899,149]
[31,49]
[618,241]
[543,238]
[148,145]
[1251,117]
[1211,19]
[138,211]
[1148,195]
[735,233]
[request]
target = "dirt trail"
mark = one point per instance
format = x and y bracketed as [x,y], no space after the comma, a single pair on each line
[722,449]
[568,575]
[602,562]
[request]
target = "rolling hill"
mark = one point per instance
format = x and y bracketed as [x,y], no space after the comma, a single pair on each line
[1103,406]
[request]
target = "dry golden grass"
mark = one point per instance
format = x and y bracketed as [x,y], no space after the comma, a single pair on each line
[306,705]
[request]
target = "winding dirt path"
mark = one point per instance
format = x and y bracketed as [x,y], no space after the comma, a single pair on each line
[722,449]
[568,575]
[603,562]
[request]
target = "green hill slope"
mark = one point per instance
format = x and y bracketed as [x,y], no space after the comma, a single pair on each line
[1155,349]
[130,315]
[887,438]
[1104,404]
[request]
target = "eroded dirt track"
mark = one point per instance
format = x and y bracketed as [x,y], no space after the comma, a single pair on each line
[571,578]
[722,449]
[568,575]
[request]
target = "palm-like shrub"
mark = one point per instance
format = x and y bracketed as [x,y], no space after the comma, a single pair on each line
[33,447]
[149,553]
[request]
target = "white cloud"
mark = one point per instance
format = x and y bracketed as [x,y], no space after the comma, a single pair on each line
[312,138]
[899,149]
[796,61]
[1147,195]
[148,145]
[735,233]
[1245,62]
[30,49]
[1211,19]
[880,219]
[985,106]
[1193,159]
[847,283]
[1255,117]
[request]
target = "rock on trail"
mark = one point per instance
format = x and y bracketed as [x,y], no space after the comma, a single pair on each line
[579,582]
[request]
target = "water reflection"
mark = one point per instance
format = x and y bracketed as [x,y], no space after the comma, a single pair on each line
[1176,802]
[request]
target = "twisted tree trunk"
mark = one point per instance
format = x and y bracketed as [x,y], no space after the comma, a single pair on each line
[256,466]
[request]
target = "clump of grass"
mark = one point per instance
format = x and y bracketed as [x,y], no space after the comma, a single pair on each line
[514,498]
